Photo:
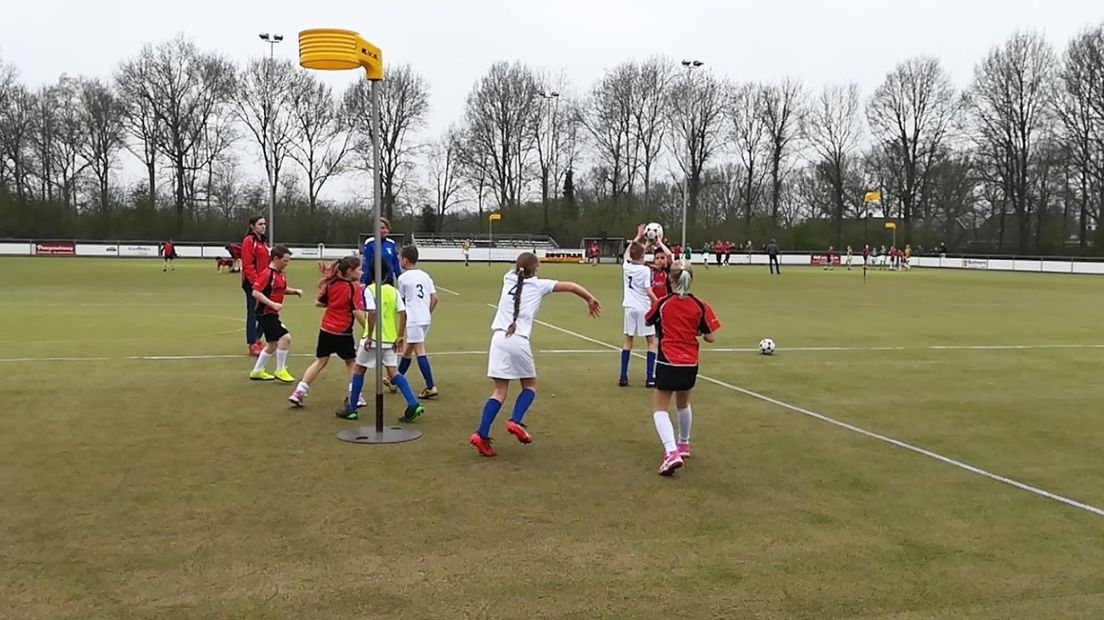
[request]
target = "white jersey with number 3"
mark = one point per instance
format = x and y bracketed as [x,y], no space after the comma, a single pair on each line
[416,288]
[532,293]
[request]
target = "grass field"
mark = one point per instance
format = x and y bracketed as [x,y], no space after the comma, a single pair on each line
[175,488]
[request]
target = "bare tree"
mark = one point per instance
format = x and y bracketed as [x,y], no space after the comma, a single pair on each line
[781,107]
[322,136]
[1010,99]
[8,75]
[444,174]
[17,119]
[652,81]
[101,120]
[833,128]
[607,115]
[549,138]
[473,166]
[910,115]
[404,107]
[1080,106]
[499,125]
[185,88]
[262,101]
[696,116]
[140,119]
[748,134]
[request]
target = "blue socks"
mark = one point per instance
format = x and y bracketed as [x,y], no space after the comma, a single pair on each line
[354,393]
[404,364]
[427,373]
[404,386]
[490,410]
[651,367]
[625,364]
[524,400]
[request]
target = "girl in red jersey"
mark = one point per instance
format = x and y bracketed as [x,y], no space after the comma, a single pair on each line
[661,264]
[338,294]
[168,251]
[679,319]
[255,259]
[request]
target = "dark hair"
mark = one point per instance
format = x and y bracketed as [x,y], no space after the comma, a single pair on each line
[337,270]
[410,253]
[525,267]
[385,273]
[280,251]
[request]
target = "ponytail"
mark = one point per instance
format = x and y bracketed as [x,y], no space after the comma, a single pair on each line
[520,273]
[682,274]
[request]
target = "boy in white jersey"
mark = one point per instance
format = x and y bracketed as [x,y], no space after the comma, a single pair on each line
[420,296]
[638,299]
[510,356]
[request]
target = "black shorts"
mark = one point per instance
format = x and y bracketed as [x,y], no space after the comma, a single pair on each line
[341,345]
[271,326]
[675,378]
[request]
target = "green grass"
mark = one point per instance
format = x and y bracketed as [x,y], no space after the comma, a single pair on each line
[136,488]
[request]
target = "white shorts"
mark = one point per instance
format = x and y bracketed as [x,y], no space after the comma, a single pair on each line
[367,357]
[635,325]
[416,334]
[510,358]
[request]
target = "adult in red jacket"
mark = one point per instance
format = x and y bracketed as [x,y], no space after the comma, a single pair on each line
[255,259]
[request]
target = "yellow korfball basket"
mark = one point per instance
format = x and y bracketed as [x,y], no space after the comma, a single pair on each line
[332,49]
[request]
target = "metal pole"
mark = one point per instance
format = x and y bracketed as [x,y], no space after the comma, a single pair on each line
[377,190]
[490,237]
[267,130]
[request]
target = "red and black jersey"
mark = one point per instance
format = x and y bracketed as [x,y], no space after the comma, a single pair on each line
[235,250]
[169,251]
[254,257]
[273,284]
[678,322]
[341,299]
[659,283]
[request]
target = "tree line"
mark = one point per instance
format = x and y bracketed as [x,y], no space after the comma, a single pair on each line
[1013,161]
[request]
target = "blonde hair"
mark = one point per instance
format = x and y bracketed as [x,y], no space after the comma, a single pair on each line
[681,274]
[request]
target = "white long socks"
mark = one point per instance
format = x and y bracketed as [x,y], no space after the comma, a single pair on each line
[685,418]
[281,358]
[262,359]
[665,430]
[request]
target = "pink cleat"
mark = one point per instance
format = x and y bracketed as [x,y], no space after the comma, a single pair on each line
[670,463]
[683,449]
[297,397]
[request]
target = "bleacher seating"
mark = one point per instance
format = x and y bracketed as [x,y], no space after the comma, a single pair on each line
[456,240]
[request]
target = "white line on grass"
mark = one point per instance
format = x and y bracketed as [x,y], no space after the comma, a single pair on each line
[934,347]
[855,429]
[54,359]
[449,291]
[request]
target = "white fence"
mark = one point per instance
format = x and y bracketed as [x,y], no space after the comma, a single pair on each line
[193,250]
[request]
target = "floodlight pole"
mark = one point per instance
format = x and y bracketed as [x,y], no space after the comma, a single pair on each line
[690,66]
[271,41]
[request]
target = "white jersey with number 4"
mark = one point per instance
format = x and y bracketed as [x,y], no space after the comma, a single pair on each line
[532,293]
[415,288]
[637,280]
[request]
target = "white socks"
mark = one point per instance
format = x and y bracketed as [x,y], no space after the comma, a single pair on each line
[685,418]
[303,386]
[281,359]
[665,430]
[262,359]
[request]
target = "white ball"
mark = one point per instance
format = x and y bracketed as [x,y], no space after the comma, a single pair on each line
[766,346]
[653,232]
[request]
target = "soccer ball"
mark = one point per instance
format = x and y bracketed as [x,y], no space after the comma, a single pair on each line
[766,346]
[653,232]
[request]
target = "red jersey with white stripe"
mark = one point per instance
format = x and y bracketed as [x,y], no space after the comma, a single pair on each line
[254,257]
[342,298]
[678,322]
[273,284]
[659,283]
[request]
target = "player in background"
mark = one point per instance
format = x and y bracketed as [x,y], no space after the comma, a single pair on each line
[866,256]
[850,256]
[255,258]
[679,319]
[707,252]
[595,254]
[235,250]
[389,255]
[268,290]
[168,251]
[420,297]
[773,263]
[339,294]
[906,256]
[467,253]
[510,356]
[387,314]
[637,299]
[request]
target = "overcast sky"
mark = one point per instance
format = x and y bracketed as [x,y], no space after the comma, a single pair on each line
[452,43]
